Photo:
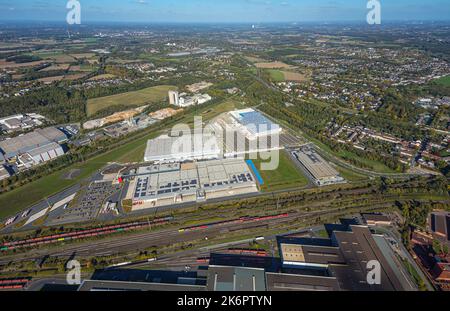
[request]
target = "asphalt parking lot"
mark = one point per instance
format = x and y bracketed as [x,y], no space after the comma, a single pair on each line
[88,205]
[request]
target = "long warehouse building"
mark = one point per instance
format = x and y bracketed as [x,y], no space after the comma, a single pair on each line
[167,184]
[319,170]
[166,149]
[28,142]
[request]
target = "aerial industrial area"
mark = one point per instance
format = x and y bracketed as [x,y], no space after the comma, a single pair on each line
[244,158]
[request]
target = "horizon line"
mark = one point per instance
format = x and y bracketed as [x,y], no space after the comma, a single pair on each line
[225,22]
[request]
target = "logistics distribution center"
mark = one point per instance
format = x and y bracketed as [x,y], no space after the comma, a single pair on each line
[245,132]
[182,148]
[234,134]
[207,165]
[316,167]
[253,124]
[167,184]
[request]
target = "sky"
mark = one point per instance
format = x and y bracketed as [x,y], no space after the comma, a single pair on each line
[224,11]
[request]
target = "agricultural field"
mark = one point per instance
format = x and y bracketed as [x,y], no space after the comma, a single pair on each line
[83,55]
[136,98]
[49,80]
[56,56]
[12,65]
[56,67]
[105,76]
[75,76]
[83,68]
[253,59]
[273,65]
[294,76]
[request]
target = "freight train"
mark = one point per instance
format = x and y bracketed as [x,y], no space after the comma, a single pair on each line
[233,221]
[81,234]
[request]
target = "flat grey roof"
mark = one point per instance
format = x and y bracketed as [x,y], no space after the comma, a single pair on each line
[166,148]
[297,282]
[44,149]
[166,181]
[315,164]
[29,141]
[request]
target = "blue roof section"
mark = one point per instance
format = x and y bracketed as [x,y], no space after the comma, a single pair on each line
[255,170]
[259,122]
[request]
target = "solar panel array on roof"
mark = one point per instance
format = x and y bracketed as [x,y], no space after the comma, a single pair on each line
[209,176]
[256,122]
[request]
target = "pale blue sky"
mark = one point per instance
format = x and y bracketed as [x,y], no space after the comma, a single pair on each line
[224,11]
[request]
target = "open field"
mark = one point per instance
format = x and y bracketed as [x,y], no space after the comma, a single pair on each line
[56,67]
[254,59]
[84,68]
[4,64]
[82,55]
[276,75]
[59,78]
[444,81]
[51,79]
[75,76]
[225,106]
[286,176]
[273,65]
[63,58]
[105,76]
[136,98]
[294,76]
[57,56]
[283,75]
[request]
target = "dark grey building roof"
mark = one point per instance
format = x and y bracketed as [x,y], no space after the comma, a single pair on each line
[345,256]
[295,282]
[440,224]
[358,247]
[222,278]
